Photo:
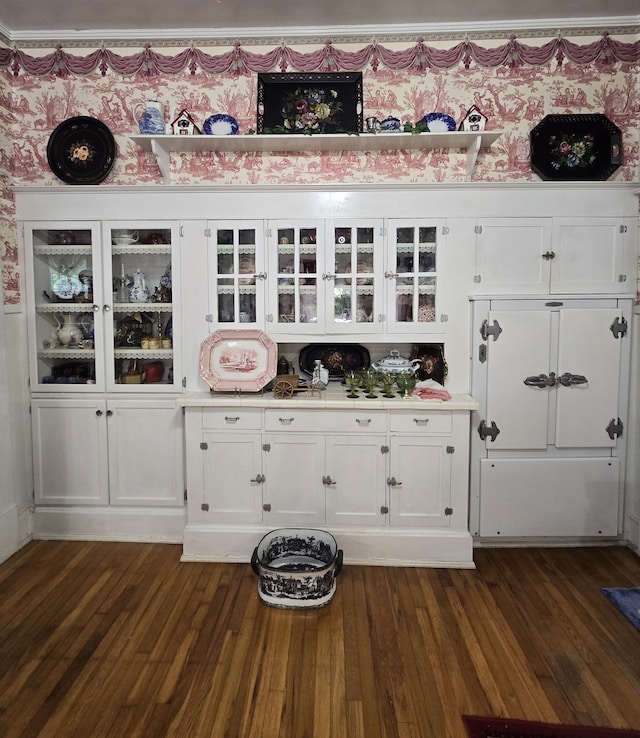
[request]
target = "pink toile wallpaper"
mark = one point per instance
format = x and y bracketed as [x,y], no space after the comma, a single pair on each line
[514,98]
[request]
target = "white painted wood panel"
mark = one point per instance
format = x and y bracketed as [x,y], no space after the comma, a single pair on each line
[522,349]
[356,465]
[549,497]
[587,347]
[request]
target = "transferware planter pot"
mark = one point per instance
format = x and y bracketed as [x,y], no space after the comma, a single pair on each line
[297,568]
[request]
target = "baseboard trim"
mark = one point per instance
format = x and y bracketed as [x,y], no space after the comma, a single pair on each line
[425,548]
[140,525]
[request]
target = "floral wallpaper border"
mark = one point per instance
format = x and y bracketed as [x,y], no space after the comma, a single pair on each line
[328,58]
[514,83]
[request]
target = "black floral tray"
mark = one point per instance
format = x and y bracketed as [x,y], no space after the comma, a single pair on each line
[337,359]
[576,147]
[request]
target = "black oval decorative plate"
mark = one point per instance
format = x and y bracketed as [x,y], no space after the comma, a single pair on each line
[336,358]
[576,147]
[81,150]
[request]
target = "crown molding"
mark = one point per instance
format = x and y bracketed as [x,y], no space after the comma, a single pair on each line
[614,25]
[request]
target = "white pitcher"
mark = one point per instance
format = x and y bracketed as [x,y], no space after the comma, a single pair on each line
[69,331]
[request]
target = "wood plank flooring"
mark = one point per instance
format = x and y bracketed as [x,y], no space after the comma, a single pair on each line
[124,640]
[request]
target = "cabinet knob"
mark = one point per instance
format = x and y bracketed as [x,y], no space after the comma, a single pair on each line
[393,482]
[267,507]
[328,481]
[106,308]
[98,413]
[96,308]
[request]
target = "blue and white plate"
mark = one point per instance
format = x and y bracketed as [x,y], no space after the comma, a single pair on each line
[220,125]
[439,122]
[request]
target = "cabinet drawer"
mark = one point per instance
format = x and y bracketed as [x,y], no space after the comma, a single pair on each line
[338,421]
[419,422]
[230,419]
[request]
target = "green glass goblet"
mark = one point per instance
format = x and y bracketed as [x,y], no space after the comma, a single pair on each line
[353,382]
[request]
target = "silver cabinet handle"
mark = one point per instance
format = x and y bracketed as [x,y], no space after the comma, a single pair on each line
[363,421]
[541,380]
[392,482]
[568,380]
[286,421]
[96,308]
[421,421]
[259,479]
[230,419]
[327,481]
[106,308]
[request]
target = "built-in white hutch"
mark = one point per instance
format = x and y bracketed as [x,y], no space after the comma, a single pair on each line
[544,269]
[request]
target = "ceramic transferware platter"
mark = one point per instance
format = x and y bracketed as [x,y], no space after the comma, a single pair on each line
[236,359]
[337,359]
[220,125]
[81,150]
[439,122]
[576,147]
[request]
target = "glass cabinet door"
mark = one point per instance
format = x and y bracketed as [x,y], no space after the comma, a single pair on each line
[66,297]
[296,291]
[140,273]
[236,274]
[412,275]
[353,251]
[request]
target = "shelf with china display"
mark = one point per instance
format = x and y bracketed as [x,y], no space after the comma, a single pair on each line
[469,141]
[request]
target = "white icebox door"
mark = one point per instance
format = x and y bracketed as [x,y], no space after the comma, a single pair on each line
[521,350]
[587,347]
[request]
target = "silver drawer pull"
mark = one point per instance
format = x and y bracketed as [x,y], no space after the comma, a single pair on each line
[230,419]
[421,421]
[393,482]
[363,421]
[286,421]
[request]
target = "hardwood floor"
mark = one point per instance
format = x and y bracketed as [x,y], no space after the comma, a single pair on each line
[123,640]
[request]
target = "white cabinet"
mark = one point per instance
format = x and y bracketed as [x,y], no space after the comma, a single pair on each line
[237,273]
[101,452]
[145,452]
[313,277]
[412,275]
[419,481]
[356,471]
[69,443]
[295,287]
[293,493]
[391,483]
[519,256]
[101,307]
[552,380]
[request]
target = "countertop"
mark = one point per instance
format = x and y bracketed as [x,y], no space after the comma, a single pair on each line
[334,397]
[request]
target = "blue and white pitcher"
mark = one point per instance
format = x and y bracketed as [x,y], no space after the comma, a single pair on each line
[151,122]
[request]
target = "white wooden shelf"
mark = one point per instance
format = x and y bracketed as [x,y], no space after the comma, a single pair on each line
[162,146]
